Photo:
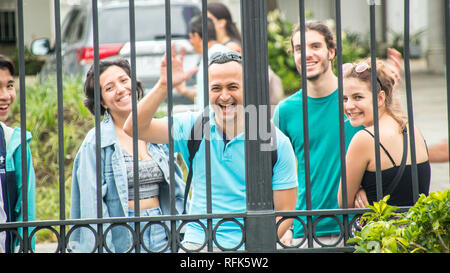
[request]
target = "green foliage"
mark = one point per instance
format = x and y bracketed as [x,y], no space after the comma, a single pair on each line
[354,47]
[279,51]
[423,228]
[42,122]
[33,63]
[398,39]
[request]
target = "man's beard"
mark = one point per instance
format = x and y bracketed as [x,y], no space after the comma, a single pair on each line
[324,67]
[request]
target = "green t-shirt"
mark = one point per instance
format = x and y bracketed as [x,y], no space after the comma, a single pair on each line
[325,162]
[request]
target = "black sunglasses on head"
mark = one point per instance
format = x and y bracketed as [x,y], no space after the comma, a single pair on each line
[225,57]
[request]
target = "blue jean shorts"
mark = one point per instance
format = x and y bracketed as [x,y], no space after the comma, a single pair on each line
[154,237]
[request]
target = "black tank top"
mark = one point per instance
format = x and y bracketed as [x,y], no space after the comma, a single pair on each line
[402,194]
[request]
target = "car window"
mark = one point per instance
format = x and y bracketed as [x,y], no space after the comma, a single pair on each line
[69,25]
[150,25]
[81,22]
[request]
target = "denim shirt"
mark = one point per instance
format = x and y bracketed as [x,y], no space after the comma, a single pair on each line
[114,188]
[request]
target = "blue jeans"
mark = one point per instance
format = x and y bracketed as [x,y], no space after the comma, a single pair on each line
[154,237]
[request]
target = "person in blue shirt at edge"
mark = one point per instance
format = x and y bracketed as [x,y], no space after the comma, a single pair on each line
[323,124]
[227,152]
[11,165]
[117,169]
[196,39]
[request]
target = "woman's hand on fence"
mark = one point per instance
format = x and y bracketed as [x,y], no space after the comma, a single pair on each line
[361,199]
[286,239]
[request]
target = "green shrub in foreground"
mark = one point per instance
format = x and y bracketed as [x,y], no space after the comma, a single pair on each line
[424,228]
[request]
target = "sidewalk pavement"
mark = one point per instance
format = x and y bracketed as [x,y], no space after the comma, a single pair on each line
[429,96]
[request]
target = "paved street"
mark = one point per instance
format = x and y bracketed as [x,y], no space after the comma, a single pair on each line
[430,115]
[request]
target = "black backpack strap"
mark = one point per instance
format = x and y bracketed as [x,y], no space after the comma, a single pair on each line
[8,189]
[195,138]
[399,174]
[273,143]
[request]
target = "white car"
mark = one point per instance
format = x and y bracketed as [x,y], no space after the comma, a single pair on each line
[114,39]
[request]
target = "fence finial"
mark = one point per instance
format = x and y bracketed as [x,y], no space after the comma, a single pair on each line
[374,2]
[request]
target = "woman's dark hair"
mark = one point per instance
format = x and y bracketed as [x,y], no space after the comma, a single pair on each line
[196,26]
[89,83]
[220,11]
[6,63]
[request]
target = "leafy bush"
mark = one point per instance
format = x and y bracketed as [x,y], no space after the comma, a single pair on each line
[423,228]
[33,63]
[42,122]
[279,51]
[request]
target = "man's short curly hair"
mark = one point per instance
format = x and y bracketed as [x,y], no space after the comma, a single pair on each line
[319,27]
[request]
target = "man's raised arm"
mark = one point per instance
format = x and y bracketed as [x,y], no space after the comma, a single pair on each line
[150,129]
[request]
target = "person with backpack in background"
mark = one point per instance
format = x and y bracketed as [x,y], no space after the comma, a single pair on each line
[196,39]
[11,165]
[227,154]
[228,34]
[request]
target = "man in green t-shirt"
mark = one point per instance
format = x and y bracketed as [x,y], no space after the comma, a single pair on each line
[323,124]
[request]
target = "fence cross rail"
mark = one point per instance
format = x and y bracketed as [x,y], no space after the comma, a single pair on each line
[260,210]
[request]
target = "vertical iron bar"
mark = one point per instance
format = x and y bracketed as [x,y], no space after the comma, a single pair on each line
[305,122]
[341,116]
[131,14]
[59,88]
[447,58]
[260,211]
[409,101]
[23,117]
[208,131]
[97,100]
[373,59]
[169,110]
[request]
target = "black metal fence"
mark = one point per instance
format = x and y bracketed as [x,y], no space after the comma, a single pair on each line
[260,212]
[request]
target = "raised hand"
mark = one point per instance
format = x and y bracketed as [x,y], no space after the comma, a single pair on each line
[178,73]
[395,63]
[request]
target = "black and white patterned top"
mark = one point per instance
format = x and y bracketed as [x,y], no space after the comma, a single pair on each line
[150,175]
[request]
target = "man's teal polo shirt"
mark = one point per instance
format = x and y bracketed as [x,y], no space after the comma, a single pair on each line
[227,176]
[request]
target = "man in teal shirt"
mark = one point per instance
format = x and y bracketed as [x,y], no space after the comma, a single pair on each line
[323,124]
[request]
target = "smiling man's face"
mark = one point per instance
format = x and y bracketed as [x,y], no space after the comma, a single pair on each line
[318,56]
[7,93]
[226,93]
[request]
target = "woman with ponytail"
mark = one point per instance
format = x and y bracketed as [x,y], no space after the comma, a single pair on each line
[394,141]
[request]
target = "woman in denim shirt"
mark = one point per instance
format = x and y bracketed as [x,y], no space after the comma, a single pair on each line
[117,170]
